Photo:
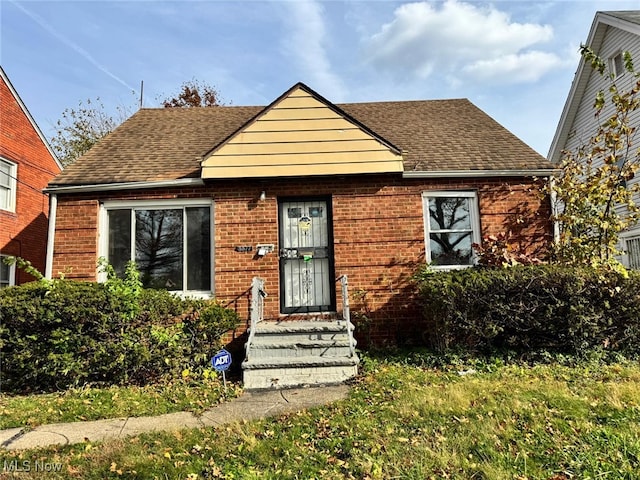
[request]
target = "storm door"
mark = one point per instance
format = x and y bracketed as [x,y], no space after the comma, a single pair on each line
[306,256]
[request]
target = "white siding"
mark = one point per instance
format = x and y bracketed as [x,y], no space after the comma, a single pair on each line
[585,123]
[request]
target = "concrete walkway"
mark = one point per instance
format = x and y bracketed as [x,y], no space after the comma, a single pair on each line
[249,406]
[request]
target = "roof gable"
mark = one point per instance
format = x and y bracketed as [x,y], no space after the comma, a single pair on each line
[628,21]
[301,134]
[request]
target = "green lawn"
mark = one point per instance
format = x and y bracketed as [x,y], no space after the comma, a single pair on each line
[92,403]
[406,421]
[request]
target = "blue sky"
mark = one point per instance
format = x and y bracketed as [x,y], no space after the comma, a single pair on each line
[514,59]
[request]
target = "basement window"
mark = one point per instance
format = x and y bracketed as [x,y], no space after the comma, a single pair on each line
[452,226]
[171,243]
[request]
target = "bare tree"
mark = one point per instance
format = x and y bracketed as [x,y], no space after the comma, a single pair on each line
[82,127]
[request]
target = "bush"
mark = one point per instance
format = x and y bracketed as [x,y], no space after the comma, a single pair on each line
[562,309]
[55,335]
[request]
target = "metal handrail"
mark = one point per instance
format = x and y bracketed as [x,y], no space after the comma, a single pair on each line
[346,313]
[258,294]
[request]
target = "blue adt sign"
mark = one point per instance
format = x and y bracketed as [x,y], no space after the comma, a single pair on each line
[221,361]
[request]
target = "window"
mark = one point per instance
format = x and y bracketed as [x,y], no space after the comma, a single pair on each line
[170,243]
[451,227]
[633,252]
[7,273]
[8,175]
[616,64]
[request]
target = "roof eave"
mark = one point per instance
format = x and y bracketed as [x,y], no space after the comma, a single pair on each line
[109,187]
[538,172]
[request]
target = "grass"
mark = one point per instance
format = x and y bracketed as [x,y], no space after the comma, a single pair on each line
[92,403]
[406,420]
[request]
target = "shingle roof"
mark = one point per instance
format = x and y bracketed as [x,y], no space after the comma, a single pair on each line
[168,143]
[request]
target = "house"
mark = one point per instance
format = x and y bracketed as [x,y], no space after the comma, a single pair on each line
[611,34]
[27,165]
[298,194]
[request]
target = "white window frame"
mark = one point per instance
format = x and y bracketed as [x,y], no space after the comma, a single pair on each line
[12,273]
[11,189]
[617,69]
[631,239]
[474,213]
[103,232]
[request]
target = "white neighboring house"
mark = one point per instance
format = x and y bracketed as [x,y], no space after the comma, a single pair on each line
[611,34]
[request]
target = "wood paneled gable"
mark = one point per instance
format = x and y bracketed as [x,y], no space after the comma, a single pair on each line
[301,134]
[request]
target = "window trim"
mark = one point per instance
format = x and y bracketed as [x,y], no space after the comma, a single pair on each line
[13,184]
[160,204]
[474,212]
[629,237]
[617,69]
[12,273]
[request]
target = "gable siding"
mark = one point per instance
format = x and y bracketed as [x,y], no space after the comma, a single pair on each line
[300,135]
[585,123]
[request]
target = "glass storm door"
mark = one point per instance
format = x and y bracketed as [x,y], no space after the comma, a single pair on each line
[306,256]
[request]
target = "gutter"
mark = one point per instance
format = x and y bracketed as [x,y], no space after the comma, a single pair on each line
[107,187]
[541,172]
[53,207]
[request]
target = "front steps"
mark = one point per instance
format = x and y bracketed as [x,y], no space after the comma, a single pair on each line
[297,353]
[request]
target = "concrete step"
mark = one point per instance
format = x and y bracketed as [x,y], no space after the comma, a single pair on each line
[284,347]
[300,331]
[308,361]
[287,372]
[295,353]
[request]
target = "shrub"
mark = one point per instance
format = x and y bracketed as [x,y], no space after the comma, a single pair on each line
[54,335]
[563,309]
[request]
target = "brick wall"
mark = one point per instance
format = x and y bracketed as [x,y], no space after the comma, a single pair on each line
[378,234]
[76,239]
[24,232]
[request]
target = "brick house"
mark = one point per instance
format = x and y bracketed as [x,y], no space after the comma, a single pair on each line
[27,165]
[299,193]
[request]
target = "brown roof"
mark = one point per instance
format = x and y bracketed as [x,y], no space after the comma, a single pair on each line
[168,143]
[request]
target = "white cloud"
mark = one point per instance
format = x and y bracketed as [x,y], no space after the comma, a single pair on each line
[306,44]
[458,39]
[514,68]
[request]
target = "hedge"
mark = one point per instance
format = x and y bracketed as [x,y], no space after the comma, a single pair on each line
[563,309]
[55,335]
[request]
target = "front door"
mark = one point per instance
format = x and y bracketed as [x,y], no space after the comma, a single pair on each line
[306,256]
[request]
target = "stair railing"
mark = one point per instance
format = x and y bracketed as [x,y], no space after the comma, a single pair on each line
[346,313]
[258,294]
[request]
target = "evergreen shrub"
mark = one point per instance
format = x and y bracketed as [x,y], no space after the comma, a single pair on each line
[60,334]
[525,308]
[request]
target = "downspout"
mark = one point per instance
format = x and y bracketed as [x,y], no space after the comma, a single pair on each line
[553,197]
[53,207]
